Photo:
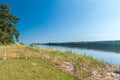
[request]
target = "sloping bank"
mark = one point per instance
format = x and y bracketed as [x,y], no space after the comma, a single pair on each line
[34,63]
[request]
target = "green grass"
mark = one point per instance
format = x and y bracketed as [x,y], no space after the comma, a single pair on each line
[21,69]
[48,64]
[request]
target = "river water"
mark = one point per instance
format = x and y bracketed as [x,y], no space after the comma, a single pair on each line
[109,57]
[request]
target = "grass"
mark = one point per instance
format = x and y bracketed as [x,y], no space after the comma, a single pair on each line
[21,69]
[46,64]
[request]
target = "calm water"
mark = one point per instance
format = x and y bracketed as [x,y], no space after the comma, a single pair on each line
[109,57]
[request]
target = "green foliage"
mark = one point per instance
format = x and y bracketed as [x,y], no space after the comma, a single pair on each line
[8,31]
[31,45]
[21,43]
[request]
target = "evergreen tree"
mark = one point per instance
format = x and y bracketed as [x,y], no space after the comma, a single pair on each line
[8,31]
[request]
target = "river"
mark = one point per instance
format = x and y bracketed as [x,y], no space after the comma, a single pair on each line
[109,57]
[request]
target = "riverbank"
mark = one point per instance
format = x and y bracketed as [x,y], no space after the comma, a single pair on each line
[25,62]
[108,57]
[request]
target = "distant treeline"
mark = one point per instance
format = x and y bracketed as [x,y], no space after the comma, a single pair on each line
[113,46]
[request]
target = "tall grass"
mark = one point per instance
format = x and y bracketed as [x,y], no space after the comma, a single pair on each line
[48,61]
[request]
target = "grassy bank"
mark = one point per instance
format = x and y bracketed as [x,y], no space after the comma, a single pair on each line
[21,69]
[47,64]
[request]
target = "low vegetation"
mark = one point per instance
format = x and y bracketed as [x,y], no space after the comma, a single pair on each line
[16,67]
[35,63]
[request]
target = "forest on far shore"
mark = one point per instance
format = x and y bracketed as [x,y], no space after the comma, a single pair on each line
[113,46]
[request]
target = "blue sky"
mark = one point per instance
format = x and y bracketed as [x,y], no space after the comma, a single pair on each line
[66,20]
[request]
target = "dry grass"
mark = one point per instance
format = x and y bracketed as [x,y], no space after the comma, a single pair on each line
[83,65]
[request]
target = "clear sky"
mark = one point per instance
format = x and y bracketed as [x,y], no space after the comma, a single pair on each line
[66,20]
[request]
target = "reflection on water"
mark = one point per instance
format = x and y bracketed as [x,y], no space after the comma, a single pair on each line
[109,57]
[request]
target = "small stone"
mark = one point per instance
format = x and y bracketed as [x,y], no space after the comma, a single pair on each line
[99,76]
[116,79]
[95,73]
[67,67]
[108,74]
[67,63]
[113,75]
[34,64]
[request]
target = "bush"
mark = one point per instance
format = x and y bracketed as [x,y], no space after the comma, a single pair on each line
[21,43]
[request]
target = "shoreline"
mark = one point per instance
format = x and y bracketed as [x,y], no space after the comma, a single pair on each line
[79,66]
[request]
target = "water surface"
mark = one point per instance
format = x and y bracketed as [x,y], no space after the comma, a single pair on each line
[109,57]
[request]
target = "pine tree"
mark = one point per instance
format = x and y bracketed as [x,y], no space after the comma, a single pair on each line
[8,31]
